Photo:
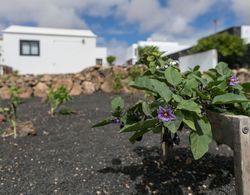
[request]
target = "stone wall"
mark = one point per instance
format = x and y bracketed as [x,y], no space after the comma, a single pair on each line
[87,82]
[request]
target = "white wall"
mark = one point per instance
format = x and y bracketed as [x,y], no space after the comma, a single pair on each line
[206,60]
[58,54]
[245,33]
[131,53]
[101,53]
[166,47]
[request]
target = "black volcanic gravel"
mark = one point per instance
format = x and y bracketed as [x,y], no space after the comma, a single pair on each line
[69,157]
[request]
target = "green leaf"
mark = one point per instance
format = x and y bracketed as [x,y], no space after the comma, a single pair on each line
[223,70]
[200,139]
[173,76]
[189,105]
[150,123]
[246,87]
[177,98]
[199,144]
[188,119]
[189,87]
[202,95]
[102,123]
[150,58]
[137,134]
[146,109]
[162,89]
[142,83]
[229,98]
[117,103]
[174,125]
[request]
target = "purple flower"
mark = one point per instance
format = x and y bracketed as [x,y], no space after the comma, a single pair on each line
[233,80]
[165,114]
[116,121]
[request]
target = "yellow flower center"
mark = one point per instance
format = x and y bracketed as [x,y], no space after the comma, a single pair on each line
[165,114]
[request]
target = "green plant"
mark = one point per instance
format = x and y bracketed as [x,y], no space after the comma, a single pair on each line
[178,99]
[10,112]
[230,48]
[57,97]
[117,83]
[111,59]
[134,72]
[15,72]
[153,58]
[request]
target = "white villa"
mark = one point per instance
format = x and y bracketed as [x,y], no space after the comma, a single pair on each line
[33,50]
[166,47]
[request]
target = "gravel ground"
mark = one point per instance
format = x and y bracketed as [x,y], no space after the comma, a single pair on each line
[69,157]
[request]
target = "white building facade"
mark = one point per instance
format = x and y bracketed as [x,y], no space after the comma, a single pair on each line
[32,50]
[166,47]
[245,33]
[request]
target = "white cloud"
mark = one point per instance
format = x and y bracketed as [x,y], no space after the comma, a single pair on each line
[242,10]
[40,12]
[170,22]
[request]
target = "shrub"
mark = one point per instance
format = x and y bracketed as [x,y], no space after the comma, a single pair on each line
[230,48]
[111,59]
[178,99]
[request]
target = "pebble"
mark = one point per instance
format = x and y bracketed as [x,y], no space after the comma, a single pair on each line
[188,161]
[98,192]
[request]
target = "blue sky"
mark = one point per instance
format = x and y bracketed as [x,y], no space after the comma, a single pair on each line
[119,23]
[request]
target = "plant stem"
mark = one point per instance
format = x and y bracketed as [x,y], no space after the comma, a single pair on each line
[13,123]
[164,144]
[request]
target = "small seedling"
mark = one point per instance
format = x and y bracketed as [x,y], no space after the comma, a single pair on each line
[57,97]
[9,113]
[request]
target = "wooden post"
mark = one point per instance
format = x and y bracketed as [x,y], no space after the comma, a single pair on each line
[234,131]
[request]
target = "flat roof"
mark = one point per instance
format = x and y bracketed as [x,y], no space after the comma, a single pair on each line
[49,31]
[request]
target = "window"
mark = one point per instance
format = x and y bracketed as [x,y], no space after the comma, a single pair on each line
[98,61]
[136,51]
[29,48]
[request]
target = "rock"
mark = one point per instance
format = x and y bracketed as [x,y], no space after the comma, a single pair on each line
[88,87]
[46,79]
[117,70]
[97,79]
[243,75]
[22,128]
[76,89]
[41,90]
[2,118]
[107,86]
[26,128]
[26,92]
[105,71]
[125,88]
[88,76]
[4,93]
[66,82]
[80,76]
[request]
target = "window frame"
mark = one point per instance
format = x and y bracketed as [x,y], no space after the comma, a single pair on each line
[30,42]
[99,59]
